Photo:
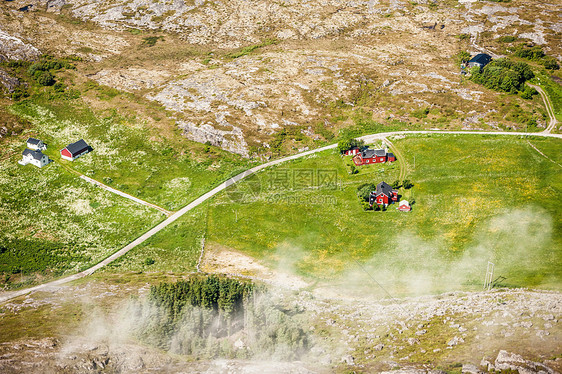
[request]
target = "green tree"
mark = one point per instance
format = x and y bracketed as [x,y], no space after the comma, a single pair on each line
[364,191]
[407,184]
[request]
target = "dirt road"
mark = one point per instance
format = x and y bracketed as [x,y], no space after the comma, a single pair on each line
[548,104]
[367,138]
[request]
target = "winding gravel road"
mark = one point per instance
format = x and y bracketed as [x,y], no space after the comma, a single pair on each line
[367,138]
[549,108]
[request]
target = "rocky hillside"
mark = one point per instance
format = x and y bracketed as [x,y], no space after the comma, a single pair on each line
[234,75]
[475,332]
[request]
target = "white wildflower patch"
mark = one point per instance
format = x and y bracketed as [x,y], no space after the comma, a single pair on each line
[178,183]
[81,207]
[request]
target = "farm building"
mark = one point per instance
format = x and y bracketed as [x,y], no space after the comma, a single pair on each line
[34,157]
[36,144]
[352,151]
[480,60]
[383,195]
[74,150]
[404,206]
[373,156]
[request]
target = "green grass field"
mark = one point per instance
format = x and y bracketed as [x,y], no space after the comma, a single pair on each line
[128,155]
[53,222]
[477,199]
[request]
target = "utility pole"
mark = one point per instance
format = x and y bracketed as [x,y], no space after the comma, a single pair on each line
[489,276]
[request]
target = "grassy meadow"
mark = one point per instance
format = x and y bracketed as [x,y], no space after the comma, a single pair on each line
[54,222]
[477,199]
[127,154]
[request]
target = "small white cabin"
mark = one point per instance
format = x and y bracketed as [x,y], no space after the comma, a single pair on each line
[36,144]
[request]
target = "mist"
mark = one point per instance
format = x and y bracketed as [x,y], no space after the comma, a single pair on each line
[517,242]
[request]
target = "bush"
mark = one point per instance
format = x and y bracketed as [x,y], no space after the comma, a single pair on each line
[550,63]
[507,39]
[148,261]
[407,184]
[462,57]
[19,93]
[420,113]
[528,93]
[346,144]
[44,78]
[534,53]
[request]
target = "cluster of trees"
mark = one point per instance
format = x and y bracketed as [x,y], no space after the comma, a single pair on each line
[348,143]
[42,71]
[221,294]
[503,75]
[536,53]
[205,316]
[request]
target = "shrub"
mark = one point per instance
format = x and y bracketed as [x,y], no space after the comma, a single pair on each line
[407,184]
[550,63]
[420,113]
[148,261]
[528,93]
[462,57]
[507,39]
[346,144]
[45,78]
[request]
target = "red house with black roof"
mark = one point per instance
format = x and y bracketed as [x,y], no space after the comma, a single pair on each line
[74,150]
[373,156]
[384,195]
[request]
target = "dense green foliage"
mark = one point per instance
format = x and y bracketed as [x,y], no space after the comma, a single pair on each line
[536,53]
[42,70]
[462,57]
[346,144]
[222,295]
[503,75]
[27,255]
[507,39]
[204,316]
[364,191]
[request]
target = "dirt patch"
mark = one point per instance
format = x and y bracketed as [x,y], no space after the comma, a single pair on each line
[220,259]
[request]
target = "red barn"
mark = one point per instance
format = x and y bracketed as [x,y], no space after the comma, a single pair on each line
[74,150]
[373,156]
[384,195]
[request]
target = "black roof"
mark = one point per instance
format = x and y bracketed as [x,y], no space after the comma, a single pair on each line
[369,153]
[383,188]
[78,147]
[481,58]
[38,155]
[33,141]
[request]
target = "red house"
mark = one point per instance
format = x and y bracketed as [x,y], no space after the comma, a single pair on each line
[74,150]
[384,195]
[373,156]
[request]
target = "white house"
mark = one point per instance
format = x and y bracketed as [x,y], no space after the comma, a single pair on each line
[36,144]
[35,157]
